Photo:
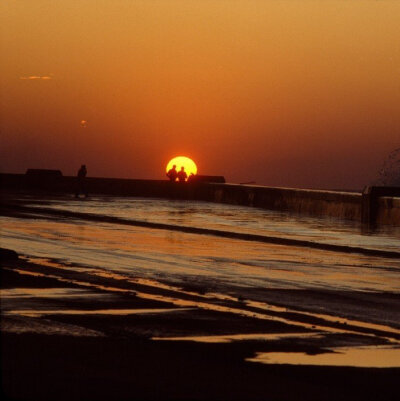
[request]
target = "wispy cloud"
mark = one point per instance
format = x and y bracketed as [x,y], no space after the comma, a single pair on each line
[37,77]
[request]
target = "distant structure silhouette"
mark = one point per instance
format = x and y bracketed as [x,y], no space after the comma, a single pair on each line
[41,173]
[196,178]
[81,184]
[182,175]
[172,173]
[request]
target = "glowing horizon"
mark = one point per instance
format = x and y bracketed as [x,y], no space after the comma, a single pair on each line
[283,93]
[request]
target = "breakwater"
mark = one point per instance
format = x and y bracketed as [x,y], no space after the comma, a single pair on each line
[376,205]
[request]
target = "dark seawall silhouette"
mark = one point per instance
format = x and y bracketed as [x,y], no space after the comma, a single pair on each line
[377,205]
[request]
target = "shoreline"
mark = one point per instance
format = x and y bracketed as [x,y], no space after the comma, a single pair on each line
[73,331]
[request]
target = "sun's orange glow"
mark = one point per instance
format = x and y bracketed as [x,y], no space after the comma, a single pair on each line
[182,161]
[283,93]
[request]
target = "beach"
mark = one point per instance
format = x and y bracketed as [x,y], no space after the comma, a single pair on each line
[199,200]
[99,309]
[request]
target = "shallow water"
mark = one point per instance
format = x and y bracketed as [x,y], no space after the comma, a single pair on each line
[180,257]
[212,273]
[235,219]
[364,357]
[217,269]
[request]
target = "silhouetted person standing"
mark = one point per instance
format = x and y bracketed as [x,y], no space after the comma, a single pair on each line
[81,186]
[182,175]
[172,173]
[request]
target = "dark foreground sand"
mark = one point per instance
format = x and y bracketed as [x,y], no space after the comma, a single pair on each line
[112,356]
[72,368]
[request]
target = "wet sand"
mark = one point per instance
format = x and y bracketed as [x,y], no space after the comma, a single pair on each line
[72,330]
[72,336]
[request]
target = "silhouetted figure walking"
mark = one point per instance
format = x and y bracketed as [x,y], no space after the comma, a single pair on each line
[81,185]
[182,175]
[172,173]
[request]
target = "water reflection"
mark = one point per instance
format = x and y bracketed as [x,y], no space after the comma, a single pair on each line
[150,254]
[86,312]
[364,357]
[234,277]
[239,219]
[228,338]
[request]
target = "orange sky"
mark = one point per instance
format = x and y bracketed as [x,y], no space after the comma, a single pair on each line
[302,93]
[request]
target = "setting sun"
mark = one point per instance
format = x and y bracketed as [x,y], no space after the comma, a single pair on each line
[182,161]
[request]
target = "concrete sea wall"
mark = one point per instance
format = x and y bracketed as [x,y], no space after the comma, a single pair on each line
[93,185]
[388,211]
[343,205]
[375,206]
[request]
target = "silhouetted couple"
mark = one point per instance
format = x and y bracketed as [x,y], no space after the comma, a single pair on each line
[81,184]
[174,175]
